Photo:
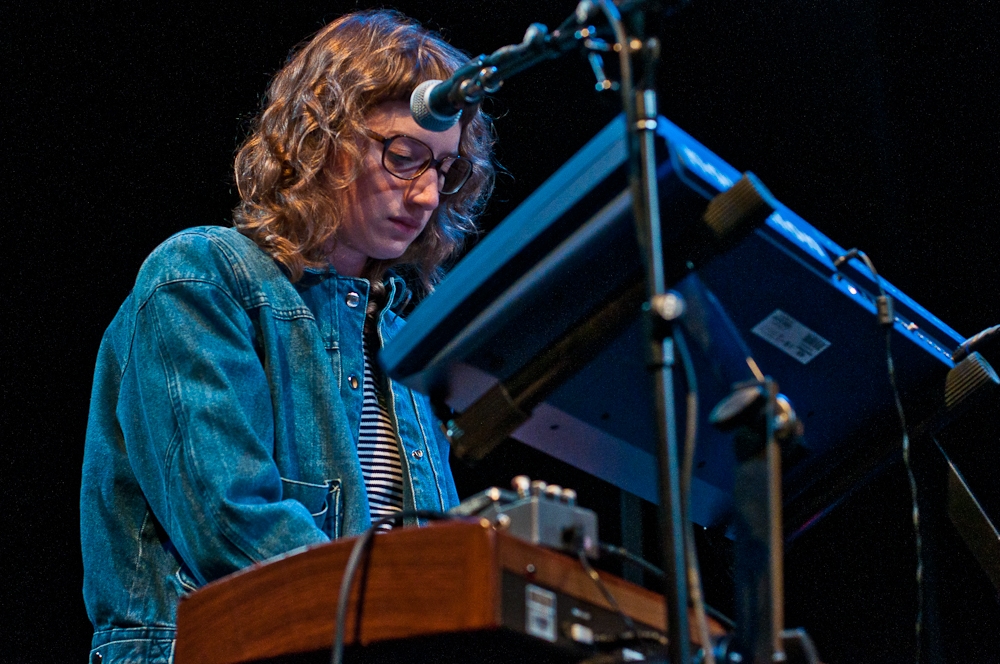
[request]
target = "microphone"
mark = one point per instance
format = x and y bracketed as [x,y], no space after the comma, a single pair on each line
[431,108]
[437,105]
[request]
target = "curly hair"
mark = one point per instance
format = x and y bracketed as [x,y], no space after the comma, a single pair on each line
[292,201]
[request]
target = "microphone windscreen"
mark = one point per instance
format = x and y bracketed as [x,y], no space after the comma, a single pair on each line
[424,115]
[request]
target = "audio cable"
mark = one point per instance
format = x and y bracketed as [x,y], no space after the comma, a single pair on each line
[883,306]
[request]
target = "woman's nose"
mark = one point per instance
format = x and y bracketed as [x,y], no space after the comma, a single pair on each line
[425,191]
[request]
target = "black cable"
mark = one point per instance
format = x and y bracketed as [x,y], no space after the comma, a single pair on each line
[913,492]
[687,472]
[592,573]
[691,559]
[633,633]
[351,569]
[625,554]
[975,341]
[883,304]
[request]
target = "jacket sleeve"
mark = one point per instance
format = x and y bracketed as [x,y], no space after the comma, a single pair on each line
[199,430]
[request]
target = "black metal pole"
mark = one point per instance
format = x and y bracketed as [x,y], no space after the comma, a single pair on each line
[661,363]
[759,542]
[641,117]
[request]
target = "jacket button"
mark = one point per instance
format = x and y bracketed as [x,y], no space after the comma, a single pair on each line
[353,299]
[418,454]
[96,658]
[352,380]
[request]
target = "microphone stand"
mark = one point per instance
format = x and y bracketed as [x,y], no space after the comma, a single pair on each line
[640,115]
[484,75]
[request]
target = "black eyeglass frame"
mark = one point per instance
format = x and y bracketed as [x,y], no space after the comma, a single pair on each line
[433,162]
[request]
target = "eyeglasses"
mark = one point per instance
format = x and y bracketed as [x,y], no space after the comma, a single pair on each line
[407,159]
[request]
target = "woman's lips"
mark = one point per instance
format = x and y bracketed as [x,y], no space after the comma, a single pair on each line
[408,222]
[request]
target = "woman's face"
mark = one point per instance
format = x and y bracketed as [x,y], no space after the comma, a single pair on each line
[386,214]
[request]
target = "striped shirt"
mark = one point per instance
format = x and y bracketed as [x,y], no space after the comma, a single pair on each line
[378,449]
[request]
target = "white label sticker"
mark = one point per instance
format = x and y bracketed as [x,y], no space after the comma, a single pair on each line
[540,612]
[791,336]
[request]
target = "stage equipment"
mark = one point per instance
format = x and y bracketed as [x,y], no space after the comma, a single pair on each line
[453,592]
[568,251]
[567,258]
[727,220]
[762,423]
[537,512]
[560,289]
[637,58]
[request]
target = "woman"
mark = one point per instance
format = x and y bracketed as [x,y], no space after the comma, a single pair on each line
[236,413]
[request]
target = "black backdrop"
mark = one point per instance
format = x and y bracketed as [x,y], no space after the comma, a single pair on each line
[874,121]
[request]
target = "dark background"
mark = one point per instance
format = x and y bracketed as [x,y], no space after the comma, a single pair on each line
[874,121]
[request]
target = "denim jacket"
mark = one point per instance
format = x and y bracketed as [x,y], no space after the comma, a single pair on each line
[223,431]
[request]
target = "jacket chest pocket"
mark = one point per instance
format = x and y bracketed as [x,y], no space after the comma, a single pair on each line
[322,500]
